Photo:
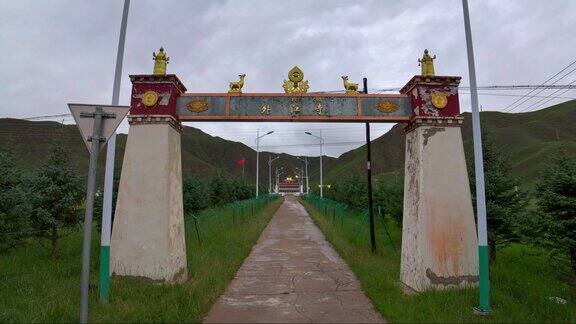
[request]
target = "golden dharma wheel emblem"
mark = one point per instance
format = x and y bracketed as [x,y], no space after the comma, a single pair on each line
[295,82]
[439,100]
[149,98]
[386,106]
[197,105]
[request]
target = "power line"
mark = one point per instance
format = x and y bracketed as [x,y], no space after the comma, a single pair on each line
[514,104]
[540,101]
[514,95]
[493,87]
[542,90]
[47,117]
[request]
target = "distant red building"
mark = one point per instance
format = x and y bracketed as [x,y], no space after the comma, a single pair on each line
[290,186]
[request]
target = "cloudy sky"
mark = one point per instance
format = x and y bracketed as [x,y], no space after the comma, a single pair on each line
[53,52]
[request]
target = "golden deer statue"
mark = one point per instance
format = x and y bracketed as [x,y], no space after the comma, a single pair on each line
[236,86]
[349,86]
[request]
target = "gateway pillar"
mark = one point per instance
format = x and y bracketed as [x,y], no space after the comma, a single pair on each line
[439,243]
[148,233]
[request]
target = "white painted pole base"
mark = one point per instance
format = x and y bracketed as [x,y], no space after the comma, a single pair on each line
[439,243]
[148,234]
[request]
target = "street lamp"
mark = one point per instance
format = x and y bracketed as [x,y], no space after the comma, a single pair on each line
[321,142]
[258,137]
[270,160]
[305,160]
[277,176]
[300,179]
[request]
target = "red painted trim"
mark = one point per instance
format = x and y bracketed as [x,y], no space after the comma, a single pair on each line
[339,95]
[317,119]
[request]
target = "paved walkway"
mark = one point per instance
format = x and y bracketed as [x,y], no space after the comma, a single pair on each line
[293,275]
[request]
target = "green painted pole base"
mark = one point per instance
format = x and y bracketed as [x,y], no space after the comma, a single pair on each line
[484,284]
[104,283]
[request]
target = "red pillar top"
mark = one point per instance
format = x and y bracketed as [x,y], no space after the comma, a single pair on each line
[155,94]
[433,96]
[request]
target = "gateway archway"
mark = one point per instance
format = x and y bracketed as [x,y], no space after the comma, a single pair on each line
[439,243]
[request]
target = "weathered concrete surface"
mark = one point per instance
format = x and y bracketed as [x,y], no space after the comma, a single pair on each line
[439,242]
[293,275]
[148,233]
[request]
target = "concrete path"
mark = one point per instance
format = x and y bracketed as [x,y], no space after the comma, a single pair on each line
[293,275]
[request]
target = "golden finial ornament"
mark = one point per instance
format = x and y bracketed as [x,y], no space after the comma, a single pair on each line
[427,64]
[349,86]
[160,62]
[295,82]
[236,86]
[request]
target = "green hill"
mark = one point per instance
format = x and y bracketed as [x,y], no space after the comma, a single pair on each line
[202,155]
[530,139]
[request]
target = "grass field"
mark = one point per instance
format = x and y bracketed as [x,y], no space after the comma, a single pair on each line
[522,278]
[34,287]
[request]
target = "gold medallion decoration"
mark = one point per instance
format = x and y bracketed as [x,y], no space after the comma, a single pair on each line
[439,100]
[197,105]
[386,106]
[149,98]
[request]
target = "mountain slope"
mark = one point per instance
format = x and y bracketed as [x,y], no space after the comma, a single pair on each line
[203,155]
[529,140]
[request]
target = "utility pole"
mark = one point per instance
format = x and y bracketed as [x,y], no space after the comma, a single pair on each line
[278,177]
[483,271]
[305,160]
[257,159]
[369,178]
[104,280]
[321,140]
[307,177]
[300,180]
[258,137]
[270,160]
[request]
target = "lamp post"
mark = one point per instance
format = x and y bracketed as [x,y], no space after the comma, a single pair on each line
[305,160]
[270,160]
[104,280]
[300,179]
[483,272]
[321,142]
[258,137]
[277,176]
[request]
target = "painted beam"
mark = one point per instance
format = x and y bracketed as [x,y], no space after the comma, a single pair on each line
[310,107]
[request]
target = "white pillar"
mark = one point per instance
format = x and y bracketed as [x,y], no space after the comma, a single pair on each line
[148,234]
[438,233]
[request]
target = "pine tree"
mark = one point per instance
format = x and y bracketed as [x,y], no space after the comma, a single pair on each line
[242,190]
[194,194]
[14,206]
[351,190]
[555,225]
[58,194]
[389,194]
[219,190]
[504,201]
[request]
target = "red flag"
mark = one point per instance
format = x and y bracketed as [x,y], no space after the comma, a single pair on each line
[241,162]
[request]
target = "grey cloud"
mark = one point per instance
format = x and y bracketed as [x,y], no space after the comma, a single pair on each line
[56,52]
